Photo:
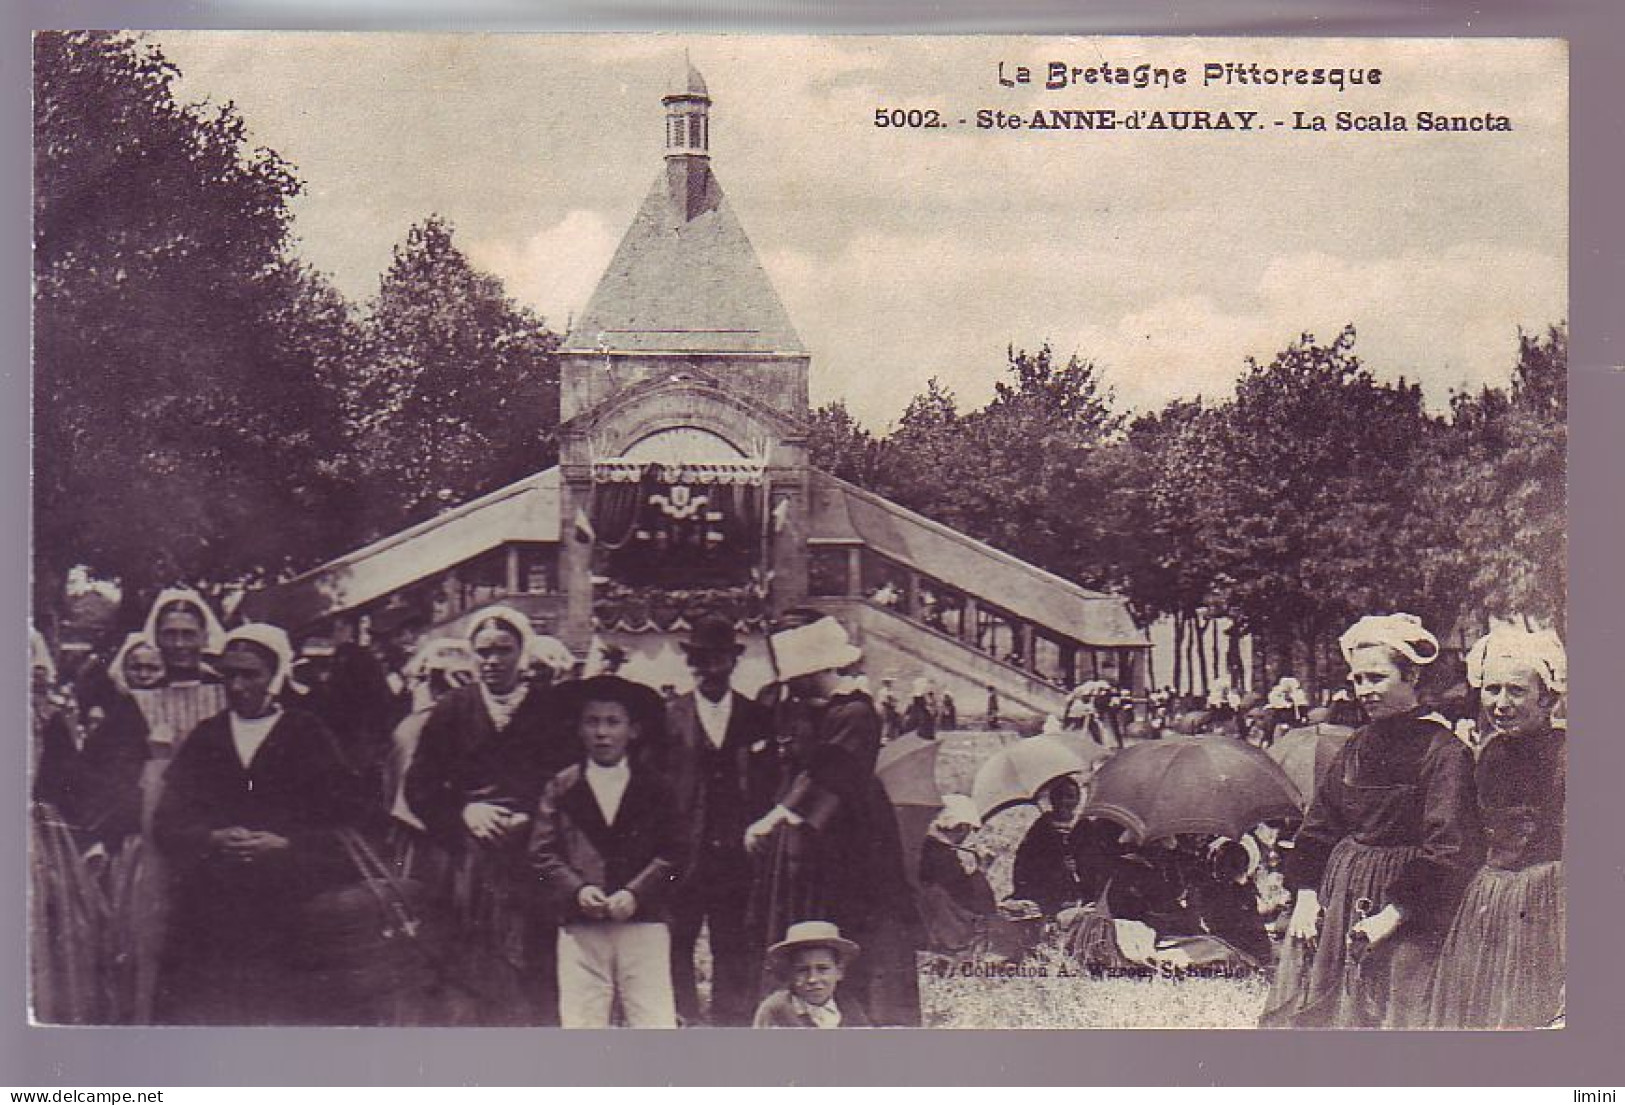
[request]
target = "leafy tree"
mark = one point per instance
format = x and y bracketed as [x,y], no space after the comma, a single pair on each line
[1505,483]
[926,449]
[461,392]
[1168,467]
[163,393]
[1026,473]
[838,444]
[1310,520]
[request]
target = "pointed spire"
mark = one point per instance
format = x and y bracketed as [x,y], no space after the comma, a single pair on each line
[688,114]
[685,277]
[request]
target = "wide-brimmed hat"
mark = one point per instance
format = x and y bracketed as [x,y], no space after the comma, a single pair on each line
[712,633]
[821,645]
[811,934]
[643,705]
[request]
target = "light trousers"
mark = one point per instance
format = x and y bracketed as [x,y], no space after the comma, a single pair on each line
[602,961]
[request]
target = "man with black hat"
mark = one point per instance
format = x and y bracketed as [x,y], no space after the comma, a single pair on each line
[723,768]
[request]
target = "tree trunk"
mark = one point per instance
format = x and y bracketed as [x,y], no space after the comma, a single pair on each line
[1191,651]
[1311,656]
[1201,652]
[1233,661]
[1179,651]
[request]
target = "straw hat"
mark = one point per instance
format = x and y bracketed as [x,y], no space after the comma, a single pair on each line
[811,934]
[821,645]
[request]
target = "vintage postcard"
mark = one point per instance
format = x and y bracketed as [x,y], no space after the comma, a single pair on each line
[713,531]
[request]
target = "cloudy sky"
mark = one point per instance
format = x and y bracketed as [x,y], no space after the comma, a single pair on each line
[901,255]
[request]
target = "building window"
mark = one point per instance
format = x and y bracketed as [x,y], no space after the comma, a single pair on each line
[942,607]
[826,572]
[1049,660]
[538,569]
[996,635]
[885,582]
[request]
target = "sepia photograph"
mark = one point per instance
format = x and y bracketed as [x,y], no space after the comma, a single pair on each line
[721,531]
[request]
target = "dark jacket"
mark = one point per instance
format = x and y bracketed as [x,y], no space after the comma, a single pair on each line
[750,773]
[1398,781]
[571,846]
[97,787]
[777,1011]
[1522,784]
[462,758]
[297,786]
[1043,870]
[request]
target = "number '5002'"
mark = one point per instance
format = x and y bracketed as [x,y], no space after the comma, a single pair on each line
[913,117]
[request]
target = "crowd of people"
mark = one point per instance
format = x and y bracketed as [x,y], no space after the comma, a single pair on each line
[1423,887]
[230,830]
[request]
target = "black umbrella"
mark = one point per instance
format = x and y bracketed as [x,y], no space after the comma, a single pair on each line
[1211,786]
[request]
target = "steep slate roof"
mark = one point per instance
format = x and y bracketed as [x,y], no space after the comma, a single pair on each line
[844,514]
[685,278]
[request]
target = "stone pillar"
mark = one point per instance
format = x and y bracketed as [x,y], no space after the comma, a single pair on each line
[575,558]
[512,553]
[854,572]
[788,546]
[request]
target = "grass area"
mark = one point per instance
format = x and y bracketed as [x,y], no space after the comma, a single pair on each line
[1052,993]
[1049,990]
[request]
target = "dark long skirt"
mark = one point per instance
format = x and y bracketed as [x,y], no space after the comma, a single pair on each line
[499,967]
[805,877]
[1316,985]
[67,922]
[1503,961]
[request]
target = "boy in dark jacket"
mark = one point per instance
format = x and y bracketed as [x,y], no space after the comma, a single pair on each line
[606,845]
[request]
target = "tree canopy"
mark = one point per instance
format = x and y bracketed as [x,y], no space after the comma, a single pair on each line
[162,291]
[460,392]
[1312,494]
[209,409]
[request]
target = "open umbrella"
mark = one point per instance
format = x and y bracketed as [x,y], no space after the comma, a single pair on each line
[907,768]
[1019,771]
[1306,754]
[1205,785]
[1079,743]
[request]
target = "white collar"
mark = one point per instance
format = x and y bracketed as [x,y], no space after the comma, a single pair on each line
[608,786]
[248,735]
[714,716]
[618,772]
[502,707]
[846,684]
[827,1015]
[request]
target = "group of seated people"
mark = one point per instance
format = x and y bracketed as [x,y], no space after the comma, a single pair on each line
[1211,897]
